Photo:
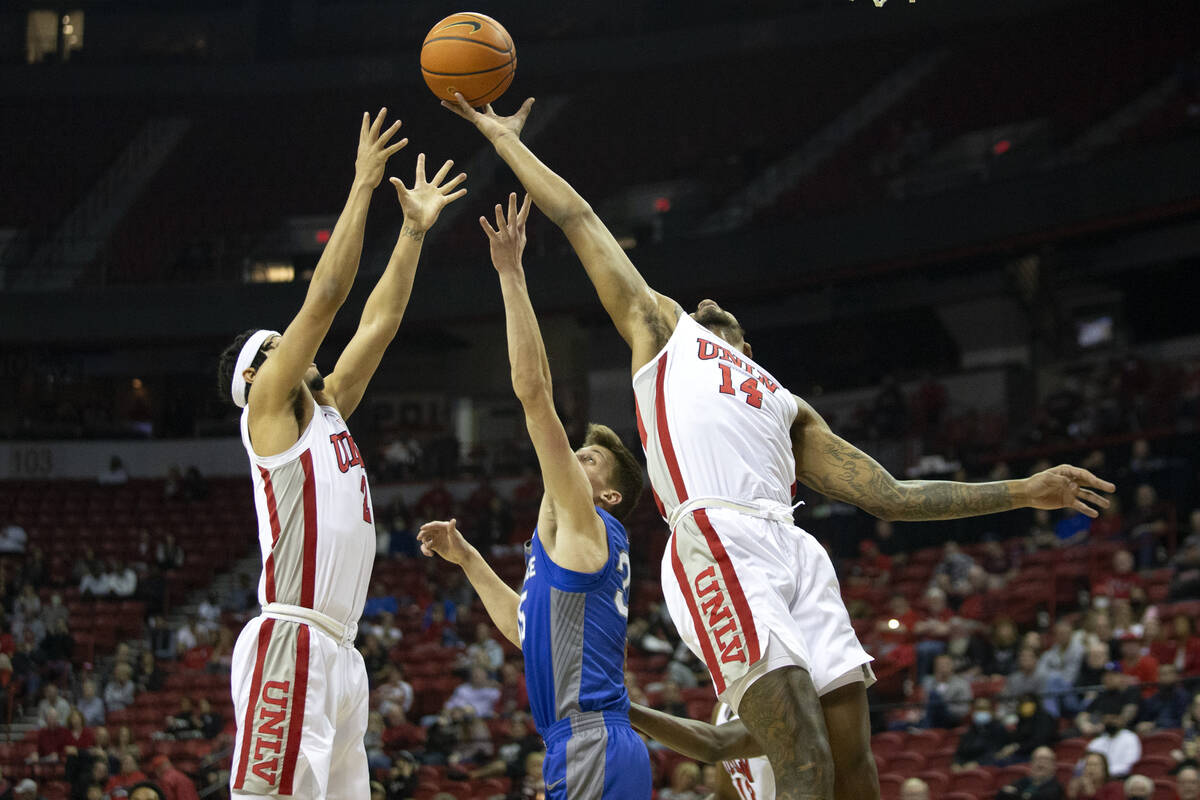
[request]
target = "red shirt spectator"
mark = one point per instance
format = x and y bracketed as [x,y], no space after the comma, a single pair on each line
[1142,667]
[1182,649]
[196,659]
[400,734]
[1122,583]
[175,785]
[124,780]
[51,741]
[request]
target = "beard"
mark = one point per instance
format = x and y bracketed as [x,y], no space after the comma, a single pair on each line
[711,315]
[316,383]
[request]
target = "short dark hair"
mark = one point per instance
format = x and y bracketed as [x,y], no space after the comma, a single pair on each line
[227,362]
[626,473]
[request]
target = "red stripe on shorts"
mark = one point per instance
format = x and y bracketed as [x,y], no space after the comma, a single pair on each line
[308,580]
[710,655]
[296,722]
[740,607]
[273,514]
[264,639]
[664,433]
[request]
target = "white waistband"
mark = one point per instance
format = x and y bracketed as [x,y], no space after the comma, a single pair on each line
[344,634]
[763,509]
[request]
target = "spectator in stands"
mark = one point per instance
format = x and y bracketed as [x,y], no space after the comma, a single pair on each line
[1124,621]
[373,742]
[513,694]
[26,790]
[1040,784]
[485,651]
[1182,648]
[89,705]
[57,649]
[122,580]
[932,630]
[436,502]
[1146,524]
[636,693]
[93,584]
[394,692]
[1025,678]
[438,627]
[168,554]
[208,613]
[220,658]
[1165,708]
[983,738]
[478,694]
[1116,699]
[183,724]
[1006,644]
[118,694]
[1072,528]
[174,784]
[670,700]
[400,734]
[195,487]
[1035,728]
[375,657]
[54,611]
[684,779]
[210,720]
[1094,782]
[149,677]
[948,696]
[1185,582]
[27,606]
[402,781]
[80,740]
[115,475]
[1187,784]
[51,738]
[52,701]
[952,572]
[1139,787]
[127,777]
[1110,525]
[1041,534]
[1141,667]
[1120,746]
[1122,583]
[1059,665]
[13,538]
[914,789]
[385,629]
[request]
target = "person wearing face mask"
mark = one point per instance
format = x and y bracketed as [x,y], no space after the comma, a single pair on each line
[1119,745]
[982,739]
[1039,784]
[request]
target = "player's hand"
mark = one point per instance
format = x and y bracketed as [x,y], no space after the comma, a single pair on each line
[508,239]
[489,123]
[1065,486]
[444,539]
[373,148]
[426,199]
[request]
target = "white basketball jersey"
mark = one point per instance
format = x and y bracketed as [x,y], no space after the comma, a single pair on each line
[752,777]
[713,423]
[315,525]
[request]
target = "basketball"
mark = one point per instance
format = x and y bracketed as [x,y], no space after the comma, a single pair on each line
[468,53]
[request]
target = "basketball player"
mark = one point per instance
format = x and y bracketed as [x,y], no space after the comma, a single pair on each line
[299,686]
[571,615]
[746,773]
[754,596]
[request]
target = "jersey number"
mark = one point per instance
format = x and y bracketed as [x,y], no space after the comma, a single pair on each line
[366,501]
[749,387]
[621,596]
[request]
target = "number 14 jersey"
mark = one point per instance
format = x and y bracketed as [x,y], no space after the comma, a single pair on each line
[713,423]
[572,630]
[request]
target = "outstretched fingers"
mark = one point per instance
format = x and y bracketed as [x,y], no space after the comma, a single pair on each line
[525,206]
[377,125]
[441,174]
[487,228]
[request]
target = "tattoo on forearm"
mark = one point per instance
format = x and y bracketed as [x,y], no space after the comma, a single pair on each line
[415,234]
[845,473]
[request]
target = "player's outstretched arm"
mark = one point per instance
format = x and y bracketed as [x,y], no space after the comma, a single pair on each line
[643,317]
[694,739]
[580,542]
[834,467]
[331,280]
[498,597]
[385,307]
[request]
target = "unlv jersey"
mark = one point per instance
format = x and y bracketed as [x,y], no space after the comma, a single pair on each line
[752,777]
[315,525]
[713,423]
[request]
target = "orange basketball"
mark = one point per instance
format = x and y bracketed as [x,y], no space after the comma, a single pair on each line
[469,53]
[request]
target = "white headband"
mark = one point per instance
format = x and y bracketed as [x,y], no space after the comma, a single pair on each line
[245,357]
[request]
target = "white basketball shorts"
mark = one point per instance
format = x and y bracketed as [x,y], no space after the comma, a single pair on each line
[301,701]
[751,595]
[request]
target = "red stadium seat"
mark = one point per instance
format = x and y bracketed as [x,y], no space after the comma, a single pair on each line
[938,781]
[906,763]
[887,744]
[1161,743]
[974,781]
[924,742]
[890,783]
[1070,749]
[1154,766]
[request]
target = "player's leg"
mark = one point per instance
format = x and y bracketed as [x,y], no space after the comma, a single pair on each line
[349,773]
[781,709]
[848,724]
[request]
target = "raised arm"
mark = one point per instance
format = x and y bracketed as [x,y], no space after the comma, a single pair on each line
[292,355]
[385,307]
[579,542]
[834,467]
[498,597]
[695,739]
[643,317]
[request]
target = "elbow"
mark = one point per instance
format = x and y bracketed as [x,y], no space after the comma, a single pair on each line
[328,293]
[572,214]
[530,386]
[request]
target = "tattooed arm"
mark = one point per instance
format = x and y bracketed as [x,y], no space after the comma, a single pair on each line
[834,467]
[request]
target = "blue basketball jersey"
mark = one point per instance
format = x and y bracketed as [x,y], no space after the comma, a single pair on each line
[572,628]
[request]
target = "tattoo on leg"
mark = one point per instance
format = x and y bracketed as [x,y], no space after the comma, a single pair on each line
[783,713]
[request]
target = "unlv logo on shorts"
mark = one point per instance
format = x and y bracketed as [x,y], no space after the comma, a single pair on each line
[719,617]
[347,452]
[269,730]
